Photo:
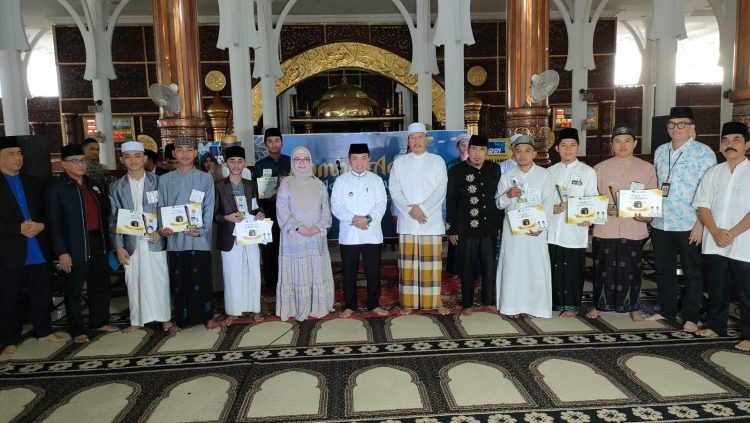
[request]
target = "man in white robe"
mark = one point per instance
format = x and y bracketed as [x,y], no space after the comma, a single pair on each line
[143,257]
[524,281]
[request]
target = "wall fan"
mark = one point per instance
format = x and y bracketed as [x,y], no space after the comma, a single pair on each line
[166,97]
[543,85]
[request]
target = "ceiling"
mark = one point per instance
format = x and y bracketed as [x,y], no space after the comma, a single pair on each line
[45,13]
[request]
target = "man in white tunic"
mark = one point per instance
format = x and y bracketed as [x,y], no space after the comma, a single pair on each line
[724,208]
[358,201]
[568,241]
[237,200]
[524,283]
[418,183]
[143,257]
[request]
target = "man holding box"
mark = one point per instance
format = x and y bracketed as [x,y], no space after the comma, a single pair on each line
[189,251]
[568,241]
[618,244]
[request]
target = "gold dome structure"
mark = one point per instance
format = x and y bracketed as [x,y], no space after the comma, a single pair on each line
[345,100]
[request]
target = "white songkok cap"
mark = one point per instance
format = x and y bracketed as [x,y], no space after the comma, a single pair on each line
[416,127]
[132,146]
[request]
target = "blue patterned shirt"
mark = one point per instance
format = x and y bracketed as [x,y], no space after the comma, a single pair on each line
[683,169]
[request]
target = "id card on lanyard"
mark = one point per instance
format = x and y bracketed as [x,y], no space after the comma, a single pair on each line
[665,186]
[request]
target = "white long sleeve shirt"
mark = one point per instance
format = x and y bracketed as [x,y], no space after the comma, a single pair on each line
[422,180]
[576,180]
[359,195]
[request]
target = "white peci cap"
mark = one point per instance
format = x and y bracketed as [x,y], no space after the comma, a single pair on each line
[416,127]
[132,146]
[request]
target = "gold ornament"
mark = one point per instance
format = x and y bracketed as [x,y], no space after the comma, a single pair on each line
[476,76]
[215,81]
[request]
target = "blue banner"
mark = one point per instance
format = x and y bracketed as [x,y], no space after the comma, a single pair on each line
[330,152]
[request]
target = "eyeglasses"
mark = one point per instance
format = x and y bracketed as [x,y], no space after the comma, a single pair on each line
[76,161]
[679,125]
[301,160]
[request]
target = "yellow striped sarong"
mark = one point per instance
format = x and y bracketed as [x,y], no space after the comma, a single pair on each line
[420,268]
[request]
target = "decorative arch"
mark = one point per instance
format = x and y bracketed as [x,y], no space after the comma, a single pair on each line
[349,55]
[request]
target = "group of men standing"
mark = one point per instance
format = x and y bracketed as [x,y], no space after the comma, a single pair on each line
[169,273]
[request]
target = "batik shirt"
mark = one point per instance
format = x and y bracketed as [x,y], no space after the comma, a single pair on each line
[683,169]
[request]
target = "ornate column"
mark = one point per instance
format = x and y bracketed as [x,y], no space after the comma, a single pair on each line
[740,96]
[472,111]
[528,46]
[725,11]
[667,27]
[176,45]
[647,48]
[12,77]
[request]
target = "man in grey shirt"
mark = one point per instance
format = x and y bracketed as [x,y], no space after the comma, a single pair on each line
[189,251]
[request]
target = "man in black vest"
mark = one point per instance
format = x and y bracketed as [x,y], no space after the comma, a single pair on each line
[23,251]
[473,220]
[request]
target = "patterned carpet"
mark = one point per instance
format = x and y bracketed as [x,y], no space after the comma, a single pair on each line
[420,368]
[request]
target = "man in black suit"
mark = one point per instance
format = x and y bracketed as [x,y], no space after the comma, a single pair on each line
[23,251]
[77,210]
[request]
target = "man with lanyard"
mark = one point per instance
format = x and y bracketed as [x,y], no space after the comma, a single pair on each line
[274,165]
[568,241]
[77,211]
[143,257]
[473,220]
[358,201]
[189,251]
[417,184]
[724,208]
[22,251]
[680,165]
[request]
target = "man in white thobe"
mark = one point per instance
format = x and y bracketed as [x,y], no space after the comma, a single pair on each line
[143,257]
[358,201]
[417,184]
[524,281]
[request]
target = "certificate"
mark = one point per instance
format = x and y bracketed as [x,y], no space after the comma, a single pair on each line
[527,220]
[267,186]
[183,217]
[131,222]
[588,209]
[646,202]
[251,231]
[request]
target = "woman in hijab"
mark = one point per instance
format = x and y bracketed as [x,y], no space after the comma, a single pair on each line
[305,285]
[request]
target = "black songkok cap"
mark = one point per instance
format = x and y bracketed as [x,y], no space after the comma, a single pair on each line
[359,149]
[71,150]
[479,141]
[151,154]
[234,151]
[8,142]
[272,132]
[623,129]
[567,133]
[169,152]
[681,112]
[731,128]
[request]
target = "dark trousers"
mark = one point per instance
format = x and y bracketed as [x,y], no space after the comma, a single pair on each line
[350,263]
[667,244]
[31,282]
[190,283]
[95,273]
[270,256]
[471,250]
[722,271]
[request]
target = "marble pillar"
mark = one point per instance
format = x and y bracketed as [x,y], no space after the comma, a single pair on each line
[176,45]
[12,76]
[528,44]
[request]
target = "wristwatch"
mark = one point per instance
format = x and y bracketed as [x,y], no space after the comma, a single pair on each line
[369,219]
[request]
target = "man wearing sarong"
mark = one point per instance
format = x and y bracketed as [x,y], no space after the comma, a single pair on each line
[724,208]
[568,241]
[417,185]
[524,284]
[358,201]
[144,258]
[189,251]
[237,200]
[680,165]
[618,244]
[473,220]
